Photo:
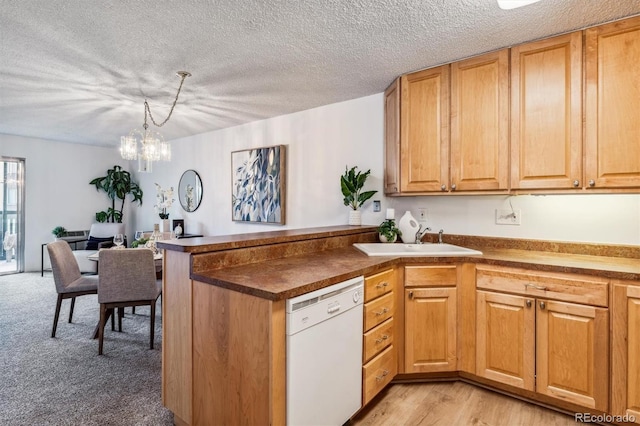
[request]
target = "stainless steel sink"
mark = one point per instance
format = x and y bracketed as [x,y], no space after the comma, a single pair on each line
[405,250]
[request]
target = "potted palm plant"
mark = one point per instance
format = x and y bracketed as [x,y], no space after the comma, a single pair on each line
[352,184]
[117,184]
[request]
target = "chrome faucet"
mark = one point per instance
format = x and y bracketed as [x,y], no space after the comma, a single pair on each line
[440,232]
[421,233]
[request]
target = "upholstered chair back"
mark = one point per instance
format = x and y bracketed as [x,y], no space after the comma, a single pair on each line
[126,275]
[63,263]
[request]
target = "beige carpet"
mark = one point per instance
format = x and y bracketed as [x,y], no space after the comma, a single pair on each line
[63,381]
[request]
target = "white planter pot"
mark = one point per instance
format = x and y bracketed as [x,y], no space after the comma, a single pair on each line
[384,239]
[165,226]
[355,217]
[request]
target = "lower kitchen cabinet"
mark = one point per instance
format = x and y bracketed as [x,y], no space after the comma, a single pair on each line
[625,364]
[430,319]
[554,348]
[380,360]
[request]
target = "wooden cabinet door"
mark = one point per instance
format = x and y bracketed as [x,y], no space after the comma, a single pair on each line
[480,123]
[505,350]
[633,351]
[392,138]
[424,130]
[572,353]
[546,113]
[430,330]
[612,141]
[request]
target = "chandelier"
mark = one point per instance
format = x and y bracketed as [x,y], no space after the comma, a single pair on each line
[146,145]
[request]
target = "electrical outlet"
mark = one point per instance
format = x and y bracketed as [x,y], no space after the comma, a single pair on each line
[422,214]
[376,205]
[508,217]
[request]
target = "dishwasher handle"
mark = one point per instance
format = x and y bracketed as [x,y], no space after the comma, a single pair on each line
[333,308]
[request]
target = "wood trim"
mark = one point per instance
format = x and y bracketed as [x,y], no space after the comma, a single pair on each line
[177,335]
[392,138]
[619,348]
[430,276]
[467,317]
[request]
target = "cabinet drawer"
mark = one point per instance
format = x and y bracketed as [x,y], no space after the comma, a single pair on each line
[377,339]
[577,288]
[377,373]
[378,284]
[378,310]
[430,276]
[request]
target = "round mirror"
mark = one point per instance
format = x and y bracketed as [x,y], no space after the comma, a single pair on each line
[190,190]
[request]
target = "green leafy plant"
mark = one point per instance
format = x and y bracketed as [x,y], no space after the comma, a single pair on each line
[389,230]
[352,182]
[117,184]
[139,243]
[59,231]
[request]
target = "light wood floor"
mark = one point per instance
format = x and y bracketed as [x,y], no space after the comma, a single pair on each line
[453,403]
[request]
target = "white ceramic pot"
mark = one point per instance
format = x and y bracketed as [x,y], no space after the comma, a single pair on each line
[384,239]
[408,225]
[355,217]
[165,226]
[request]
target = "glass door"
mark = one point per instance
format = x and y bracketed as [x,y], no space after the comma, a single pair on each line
[12,215]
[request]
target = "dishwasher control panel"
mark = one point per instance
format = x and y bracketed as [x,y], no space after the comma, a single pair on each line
[312,308]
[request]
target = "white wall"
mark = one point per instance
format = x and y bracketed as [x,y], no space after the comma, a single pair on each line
[57,190]
[323,140]
[320,143]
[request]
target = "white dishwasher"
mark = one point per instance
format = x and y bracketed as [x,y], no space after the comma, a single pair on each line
[324,355]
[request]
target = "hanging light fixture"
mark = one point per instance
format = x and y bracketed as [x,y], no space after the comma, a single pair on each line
[146,145]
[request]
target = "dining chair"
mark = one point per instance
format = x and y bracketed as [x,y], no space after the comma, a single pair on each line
[70,283]
[127,278]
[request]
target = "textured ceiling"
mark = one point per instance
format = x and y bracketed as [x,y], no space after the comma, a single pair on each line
[79,71]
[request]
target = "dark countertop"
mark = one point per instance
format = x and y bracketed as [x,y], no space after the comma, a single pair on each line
[292,276]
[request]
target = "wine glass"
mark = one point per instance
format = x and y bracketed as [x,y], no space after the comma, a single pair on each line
[118,240]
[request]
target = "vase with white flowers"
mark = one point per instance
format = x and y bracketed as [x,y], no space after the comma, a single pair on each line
[164,200]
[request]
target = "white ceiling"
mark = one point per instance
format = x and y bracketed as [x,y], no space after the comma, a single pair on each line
[79,71]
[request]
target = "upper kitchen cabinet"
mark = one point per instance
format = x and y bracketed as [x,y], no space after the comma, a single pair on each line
[546,113]
[424,131]
[612,105]
[392,138]
[480,123]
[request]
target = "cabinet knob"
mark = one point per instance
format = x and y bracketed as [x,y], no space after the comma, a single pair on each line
[543,305]
[382,376]
[528,303]
[453,187]
[592,183]
[382,339]
[410,295]
[576,183]
[443,187]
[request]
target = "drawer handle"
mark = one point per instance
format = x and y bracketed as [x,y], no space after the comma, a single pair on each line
[528,303]
[382,339]
[537,287]
[382,284]
[381,378]
[382,312]
[543,305]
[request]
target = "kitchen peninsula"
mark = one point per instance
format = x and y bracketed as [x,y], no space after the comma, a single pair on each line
[224,309]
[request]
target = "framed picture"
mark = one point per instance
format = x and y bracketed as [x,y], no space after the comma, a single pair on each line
[176,222]
[258,179]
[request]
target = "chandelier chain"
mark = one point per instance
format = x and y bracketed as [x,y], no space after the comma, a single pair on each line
[184,75]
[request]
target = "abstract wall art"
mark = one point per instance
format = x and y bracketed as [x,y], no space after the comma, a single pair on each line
[258,193]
